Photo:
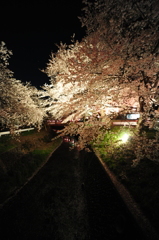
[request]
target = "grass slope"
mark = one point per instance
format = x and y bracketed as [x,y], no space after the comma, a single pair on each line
[20,157]
[142,181]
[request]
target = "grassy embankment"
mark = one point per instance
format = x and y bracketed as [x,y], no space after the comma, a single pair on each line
[21,157]
[142,181]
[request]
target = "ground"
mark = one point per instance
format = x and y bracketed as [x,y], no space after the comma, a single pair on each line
[70,198]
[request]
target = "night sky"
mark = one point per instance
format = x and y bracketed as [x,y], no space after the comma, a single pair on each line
[32,30]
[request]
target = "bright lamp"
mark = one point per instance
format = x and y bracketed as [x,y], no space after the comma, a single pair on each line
[125,137]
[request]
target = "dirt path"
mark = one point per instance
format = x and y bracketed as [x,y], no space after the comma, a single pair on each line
[71,198]
[51,206]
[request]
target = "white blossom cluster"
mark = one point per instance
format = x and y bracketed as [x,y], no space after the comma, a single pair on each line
[111,71]
[18,101]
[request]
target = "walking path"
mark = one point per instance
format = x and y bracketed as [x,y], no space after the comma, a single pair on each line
[50,206]
[70,198]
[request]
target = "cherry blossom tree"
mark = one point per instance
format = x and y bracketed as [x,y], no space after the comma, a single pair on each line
[129,29]
[113,70]
[85,84]
[18,101]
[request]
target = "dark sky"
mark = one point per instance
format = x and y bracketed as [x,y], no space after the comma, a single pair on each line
[32,30]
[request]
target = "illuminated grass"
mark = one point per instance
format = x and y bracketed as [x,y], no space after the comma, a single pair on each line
[18,164]
[142,181]
[5,144]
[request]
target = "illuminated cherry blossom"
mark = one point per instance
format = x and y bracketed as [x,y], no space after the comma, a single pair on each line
[18,101]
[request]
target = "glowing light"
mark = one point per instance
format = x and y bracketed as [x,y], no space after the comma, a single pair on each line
[125,137]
